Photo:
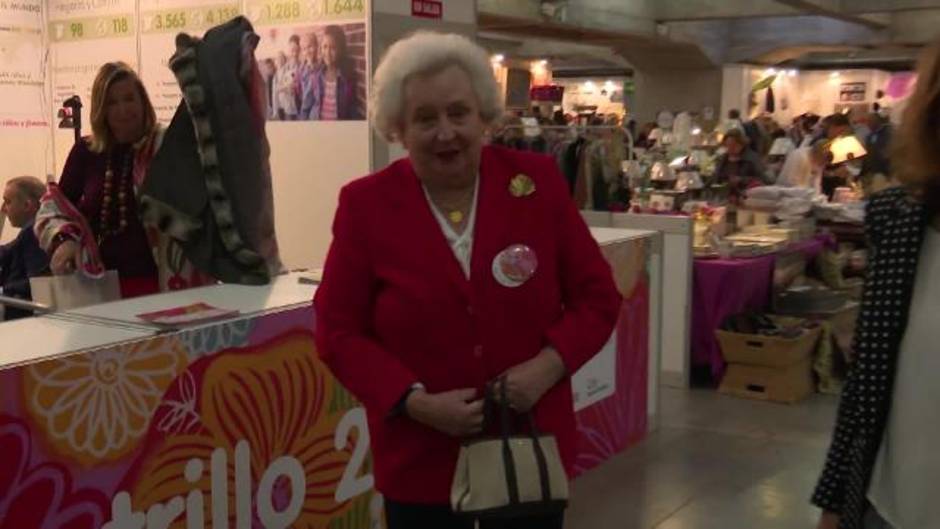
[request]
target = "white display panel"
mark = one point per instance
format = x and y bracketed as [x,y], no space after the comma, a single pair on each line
[83,36]
[22,68]
[25,134]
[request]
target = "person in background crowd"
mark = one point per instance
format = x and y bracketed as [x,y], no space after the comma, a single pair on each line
[100,182]
[22,258]
[268,72]
[307,74]
[803,127]
[537,114]
[860,125]
[739,167]
[418,327]
[878,146]
[882,467]
[335,88]
[286,80]
[756,136]
[833,126]
[558,119]
[277,111]
[631,126]
[804,166]
[733,122]
[643,139]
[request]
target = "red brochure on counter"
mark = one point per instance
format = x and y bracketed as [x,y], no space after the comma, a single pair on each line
[188,315]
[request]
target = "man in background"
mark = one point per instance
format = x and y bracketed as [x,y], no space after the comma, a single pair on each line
[22,258]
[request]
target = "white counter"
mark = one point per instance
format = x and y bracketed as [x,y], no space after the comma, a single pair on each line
[29,340]
[284,293]
[605,236]
[33,339]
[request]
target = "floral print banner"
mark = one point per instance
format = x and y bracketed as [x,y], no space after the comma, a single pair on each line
[238,425]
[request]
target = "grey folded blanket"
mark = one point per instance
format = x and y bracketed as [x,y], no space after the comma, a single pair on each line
[209,185]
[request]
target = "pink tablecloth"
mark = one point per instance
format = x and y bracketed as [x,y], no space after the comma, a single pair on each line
[724,287]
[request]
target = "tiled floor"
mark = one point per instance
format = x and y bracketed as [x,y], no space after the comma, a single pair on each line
[716,462]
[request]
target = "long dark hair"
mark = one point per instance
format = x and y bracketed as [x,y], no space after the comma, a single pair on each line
[917,144]
[344,61]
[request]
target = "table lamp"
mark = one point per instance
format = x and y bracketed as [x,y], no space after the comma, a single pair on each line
[846,148]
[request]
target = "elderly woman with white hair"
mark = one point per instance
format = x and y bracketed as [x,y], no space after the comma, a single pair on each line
[455,267]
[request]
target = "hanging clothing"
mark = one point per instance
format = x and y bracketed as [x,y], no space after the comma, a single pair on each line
[209,186]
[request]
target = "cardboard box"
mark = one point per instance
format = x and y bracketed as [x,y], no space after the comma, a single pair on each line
[767,351]
[843,322]
[786,385]
[769,368]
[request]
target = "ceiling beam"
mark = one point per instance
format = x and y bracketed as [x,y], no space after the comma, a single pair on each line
[817,8]
[705,10]
[886,6]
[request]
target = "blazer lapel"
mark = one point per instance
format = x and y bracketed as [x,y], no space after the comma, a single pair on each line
[494,224]
[422,226]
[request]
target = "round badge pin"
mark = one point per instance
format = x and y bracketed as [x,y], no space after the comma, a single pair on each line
[515,265]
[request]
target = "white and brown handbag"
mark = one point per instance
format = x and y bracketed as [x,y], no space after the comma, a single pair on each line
[511,475]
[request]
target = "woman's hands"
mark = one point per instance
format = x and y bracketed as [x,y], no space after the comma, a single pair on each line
[457,413]
[527,382]
[66,258]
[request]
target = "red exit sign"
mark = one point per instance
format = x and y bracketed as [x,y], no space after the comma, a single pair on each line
[427,8]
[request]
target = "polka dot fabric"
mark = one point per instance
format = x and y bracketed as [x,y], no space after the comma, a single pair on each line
[895,226]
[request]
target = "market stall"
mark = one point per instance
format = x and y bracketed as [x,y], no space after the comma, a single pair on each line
[109,421]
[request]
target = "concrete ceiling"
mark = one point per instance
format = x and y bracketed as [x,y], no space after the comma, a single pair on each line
[682,34]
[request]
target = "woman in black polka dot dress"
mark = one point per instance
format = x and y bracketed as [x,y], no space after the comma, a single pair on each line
[883,464]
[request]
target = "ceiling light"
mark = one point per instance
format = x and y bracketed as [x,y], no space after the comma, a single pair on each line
[498,58]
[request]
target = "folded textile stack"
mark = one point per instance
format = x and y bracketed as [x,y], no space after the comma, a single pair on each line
[850,213]
[786,203]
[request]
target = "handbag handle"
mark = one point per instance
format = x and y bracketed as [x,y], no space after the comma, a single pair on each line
[504,411]
[508,459]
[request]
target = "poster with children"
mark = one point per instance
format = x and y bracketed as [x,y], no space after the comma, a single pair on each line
[313,58]
[314,72]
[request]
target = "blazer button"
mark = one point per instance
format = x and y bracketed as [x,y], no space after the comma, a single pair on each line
[478,351]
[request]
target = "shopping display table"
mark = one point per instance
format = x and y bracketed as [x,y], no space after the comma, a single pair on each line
[106,422]
[725,287]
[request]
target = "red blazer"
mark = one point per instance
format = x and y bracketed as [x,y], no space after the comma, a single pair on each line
[395,307]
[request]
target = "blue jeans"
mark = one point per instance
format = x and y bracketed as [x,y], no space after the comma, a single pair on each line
[873,520]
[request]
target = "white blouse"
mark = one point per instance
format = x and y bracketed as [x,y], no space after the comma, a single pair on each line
[462,245]
[904,481]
